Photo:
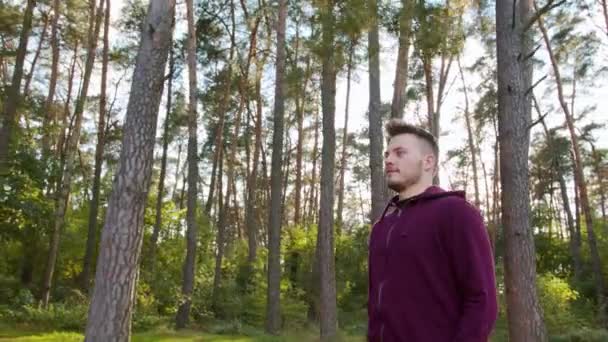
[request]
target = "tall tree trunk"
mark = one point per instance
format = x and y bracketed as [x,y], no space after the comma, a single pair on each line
[312,208]
[99,150]
[69,168]
[221,236]
[177,165]
[59,149]
[13,97]
[597,168]
[163,165]
[579,178]
[183,312]
[30,75]
[273,314]
[325,236]
[48,110]
[250,219]
[401,72]
[250,198]
[340,209]
[432,112]
[525,317]
[109,317]
[375,117]
[471,140]
[219,131]
[427,67]
[574,243]
[299,147]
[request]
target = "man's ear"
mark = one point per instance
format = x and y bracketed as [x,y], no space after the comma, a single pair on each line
[430,163]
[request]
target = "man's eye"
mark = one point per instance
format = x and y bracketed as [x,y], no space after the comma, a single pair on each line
[401,153]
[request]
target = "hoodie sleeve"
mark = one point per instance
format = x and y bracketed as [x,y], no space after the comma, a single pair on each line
[469,250]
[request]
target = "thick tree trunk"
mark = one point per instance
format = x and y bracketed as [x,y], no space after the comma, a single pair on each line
[183,312]
[525,317]
[401,72]
[273,308]
[325,236]
[71,150]
[111,306]
[99,150]
[163,166]
[579,178]
[13,97]
[375,117]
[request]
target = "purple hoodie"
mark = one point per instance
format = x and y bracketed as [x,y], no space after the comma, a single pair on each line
[431,272]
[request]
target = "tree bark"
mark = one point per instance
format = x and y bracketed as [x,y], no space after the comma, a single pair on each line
[401,72]
[579,178]
[71,150]
[163,165]
[300,145]
[220,238]
[325,236]
[340,209]
[109,317]
[525,317]
[312,208]
[48,110]
[99,151]
[375,117]
[273,313]
[13,97]
[183,312]
[471,140]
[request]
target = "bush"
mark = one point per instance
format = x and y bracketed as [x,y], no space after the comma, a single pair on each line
[557,299]
[57,316]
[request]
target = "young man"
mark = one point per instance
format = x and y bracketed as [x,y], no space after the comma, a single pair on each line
[431,269]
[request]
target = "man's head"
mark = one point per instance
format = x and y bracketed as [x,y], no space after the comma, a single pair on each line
[411,156]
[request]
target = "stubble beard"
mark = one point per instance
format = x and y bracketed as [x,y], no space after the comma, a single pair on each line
[400,186]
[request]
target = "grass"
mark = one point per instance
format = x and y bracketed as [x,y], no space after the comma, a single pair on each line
[161,335]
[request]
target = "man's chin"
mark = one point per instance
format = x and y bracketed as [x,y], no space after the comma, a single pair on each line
[395,186]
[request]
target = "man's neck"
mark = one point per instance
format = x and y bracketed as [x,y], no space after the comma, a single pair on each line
[414,190]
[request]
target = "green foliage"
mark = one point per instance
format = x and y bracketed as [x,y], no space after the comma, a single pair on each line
[557,299]
[582,335]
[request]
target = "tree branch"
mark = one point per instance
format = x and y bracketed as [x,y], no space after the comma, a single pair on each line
[531,54]
[548,6]
[535,84]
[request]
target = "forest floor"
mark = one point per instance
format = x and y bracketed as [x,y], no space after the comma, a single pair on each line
[161,335]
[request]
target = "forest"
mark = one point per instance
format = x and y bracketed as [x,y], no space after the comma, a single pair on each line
[209,170]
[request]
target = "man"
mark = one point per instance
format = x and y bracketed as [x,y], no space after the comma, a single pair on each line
[431,269]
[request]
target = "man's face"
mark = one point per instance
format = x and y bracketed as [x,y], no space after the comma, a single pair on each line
[405,161]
